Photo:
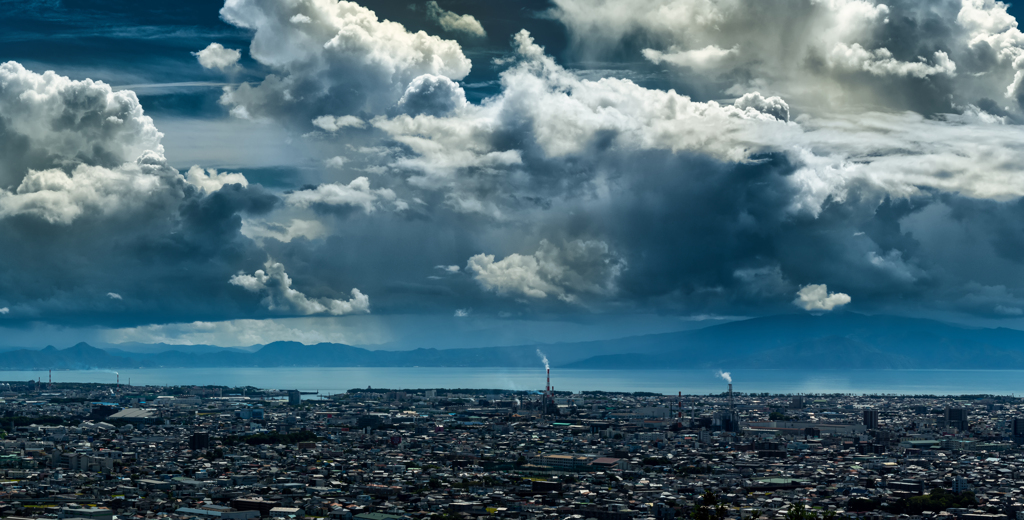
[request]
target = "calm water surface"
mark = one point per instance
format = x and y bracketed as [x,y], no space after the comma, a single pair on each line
[336,380]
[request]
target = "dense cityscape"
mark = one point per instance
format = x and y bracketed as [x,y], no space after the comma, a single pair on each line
[102,452]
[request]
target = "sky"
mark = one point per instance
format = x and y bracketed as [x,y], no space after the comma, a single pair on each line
[459,173]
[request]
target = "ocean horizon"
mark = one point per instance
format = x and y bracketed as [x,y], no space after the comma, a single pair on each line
[333,380]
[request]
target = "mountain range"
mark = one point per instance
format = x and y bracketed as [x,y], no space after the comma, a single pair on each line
[830,341]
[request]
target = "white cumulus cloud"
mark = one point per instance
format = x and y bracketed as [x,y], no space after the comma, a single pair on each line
[280,296]
[333,124]
[452,22]
[773,105]
[82,149]
[847,53]
[62,123]
[815,297]
[357,193]
[708,57]
[580,267]
[216,56]
[562,116]
[337,162]
[432,95]
[881,62]
[338,57]
[210,181]
[60,198]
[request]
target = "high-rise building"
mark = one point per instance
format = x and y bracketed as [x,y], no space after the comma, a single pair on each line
[956,418]
[199,441]
[294,397]
[960,485]
[1018,430]
[727,421]
[871,419]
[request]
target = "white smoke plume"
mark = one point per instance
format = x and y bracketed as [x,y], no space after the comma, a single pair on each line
[544,359]
[725,375]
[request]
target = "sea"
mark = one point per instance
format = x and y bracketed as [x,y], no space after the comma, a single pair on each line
[327,381]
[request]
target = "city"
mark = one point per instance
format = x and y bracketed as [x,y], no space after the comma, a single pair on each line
[113,451]
[333,242]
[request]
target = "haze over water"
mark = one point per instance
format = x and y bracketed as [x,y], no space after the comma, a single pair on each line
[338,380]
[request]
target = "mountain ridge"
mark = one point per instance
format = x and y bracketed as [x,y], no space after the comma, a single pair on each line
[837,340]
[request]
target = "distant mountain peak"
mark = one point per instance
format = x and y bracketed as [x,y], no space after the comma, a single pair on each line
[84,346]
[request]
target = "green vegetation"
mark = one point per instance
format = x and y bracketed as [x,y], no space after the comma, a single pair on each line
[25,421]
[710,508]
[800,512]
[938,500]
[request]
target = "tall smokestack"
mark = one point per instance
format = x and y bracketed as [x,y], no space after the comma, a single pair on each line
[730,397]
[547,392]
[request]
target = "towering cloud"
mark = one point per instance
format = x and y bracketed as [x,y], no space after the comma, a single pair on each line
[77,148]
[823,55]
[551,135]
[102,218]
[712,205]
[331,57]
[50,121]
[728,157]
[546,115]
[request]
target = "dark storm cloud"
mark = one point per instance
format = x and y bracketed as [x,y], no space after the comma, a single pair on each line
[867,147]
[166,267]
[695,229]
[96,210]
[929,57]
